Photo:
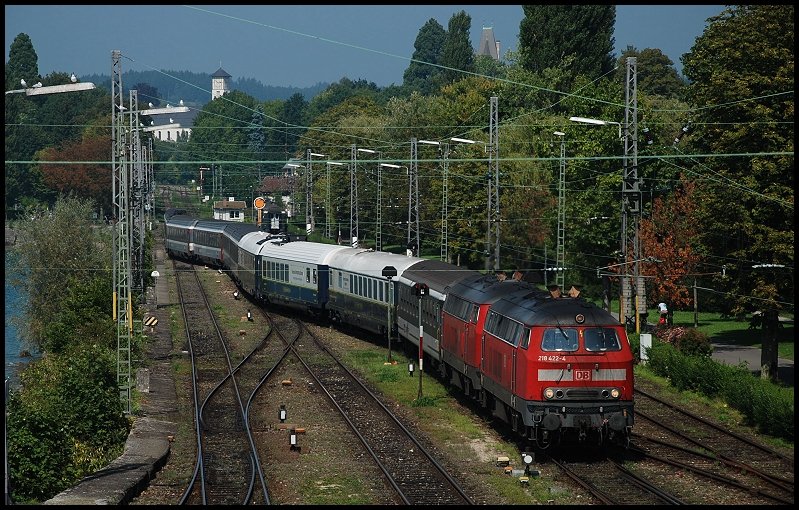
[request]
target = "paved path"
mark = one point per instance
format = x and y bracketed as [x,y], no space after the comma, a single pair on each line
[736,354]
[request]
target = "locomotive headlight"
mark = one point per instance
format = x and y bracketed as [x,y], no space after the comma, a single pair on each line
[615,393]
[549,393]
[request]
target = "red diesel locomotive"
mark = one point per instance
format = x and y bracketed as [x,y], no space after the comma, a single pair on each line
[556,369]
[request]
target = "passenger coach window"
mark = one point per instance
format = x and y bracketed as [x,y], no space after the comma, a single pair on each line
[559,339]
[307,275]
[601,339]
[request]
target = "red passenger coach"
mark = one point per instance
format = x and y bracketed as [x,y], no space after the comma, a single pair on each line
[557,369]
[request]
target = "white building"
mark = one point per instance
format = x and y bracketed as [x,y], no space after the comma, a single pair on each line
[220,83]
[230,209]
[171,122]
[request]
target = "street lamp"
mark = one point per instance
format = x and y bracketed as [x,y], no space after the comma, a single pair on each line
[488,219]
[379,234]
[53,89]
[379,211]
[560,250]
[293,195]
[309,223]
[252,205]
[598,122]
[328,208]
[444,195]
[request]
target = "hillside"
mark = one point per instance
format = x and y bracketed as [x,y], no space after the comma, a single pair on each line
[172,86]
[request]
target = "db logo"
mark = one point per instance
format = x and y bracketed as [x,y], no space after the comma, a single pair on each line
[582,375]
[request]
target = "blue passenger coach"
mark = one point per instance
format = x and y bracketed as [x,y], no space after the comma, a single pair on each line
[293,274]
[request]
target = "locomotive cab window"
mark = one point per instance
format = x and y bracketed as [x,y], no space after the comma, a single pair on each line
[559,339]
[601,339]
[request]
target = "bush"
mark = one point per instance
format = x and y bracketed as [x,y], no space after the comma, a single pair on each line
[65,422]
[765,405]
[689,341]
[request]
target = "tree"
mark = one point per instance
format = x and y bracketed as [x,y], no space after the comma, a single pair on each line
[741,71]
[485,65]
[65,423]
[86,180]
[655,72]
[293,118]
[670,235]
[457,54]
[257,136]
[147,94]
[21,135]
[23,63]
[422,73]
[548,34]
[52,261]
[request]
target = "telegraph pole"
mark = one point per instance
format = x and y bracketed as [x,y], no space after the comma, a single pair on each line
[353,197]
[414,241]
[560,253]
[137,189]
[631,204]
[379,213]
[444,199]
[493,167]
[123,310]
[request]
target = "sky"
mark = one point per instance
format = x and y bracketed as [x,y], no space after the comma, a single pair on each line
[296,45]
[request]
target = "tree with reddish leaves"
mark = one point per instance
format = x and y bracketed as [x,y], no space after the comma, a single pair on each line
[668,236]
[85,170]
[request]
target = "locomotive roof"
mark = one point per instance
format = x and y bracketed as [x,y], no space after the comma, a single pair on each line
[541,308]
[300,251]
[436,274]
[480,288]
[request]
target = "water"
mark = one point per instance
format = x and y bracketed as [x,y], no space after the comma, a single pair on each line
[14,301]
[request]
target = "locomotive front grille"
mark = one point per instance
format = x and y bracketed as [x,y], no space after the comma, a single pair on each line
[583,393]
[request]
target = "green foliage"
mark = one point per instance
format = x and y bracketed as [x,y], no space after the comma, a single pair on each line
[39,453]
[422,74]
[768,406]
[457,53]
[655,72]
[548,34]
[65,422]
[58,272]
[742,81]
[34,123]
[424,401]
[689,341]
[336,94]
[23,63]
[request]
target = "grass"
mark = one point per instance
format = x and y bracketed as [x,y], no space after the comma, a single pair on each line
[725,330]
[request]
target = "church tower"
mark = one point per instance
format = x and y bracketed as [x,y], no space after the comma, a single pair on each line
[220,83]
[489,46]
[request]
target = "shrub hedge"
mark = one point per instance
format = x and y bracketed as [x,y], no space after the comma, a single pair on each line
[767,406]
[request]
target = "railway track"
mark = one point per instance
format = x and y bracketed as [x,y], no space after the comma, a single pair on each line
[670,434]
[227,467]
[409,469]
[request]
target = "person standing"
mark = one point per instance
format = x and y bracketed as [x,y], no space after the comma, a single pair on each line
[663,310]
